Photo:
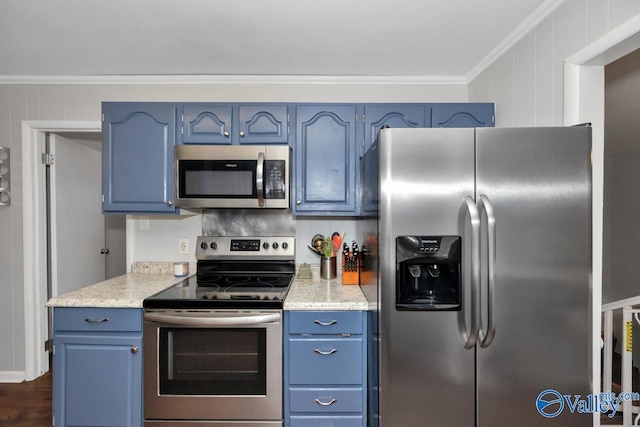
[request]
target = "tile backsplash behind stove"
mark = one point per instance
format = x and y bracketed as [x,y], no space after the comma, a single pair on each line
[252,222]
[155,238]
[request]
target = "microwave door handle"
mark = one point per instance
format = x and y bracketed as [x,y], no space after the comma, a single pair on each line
[260,179]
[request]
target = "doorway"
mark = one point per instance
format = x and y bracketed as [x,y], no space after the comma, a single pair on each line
[34,231]
[86,246]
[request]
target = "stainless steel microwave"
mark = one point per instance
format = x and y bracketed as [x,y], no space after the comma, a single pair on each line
[232,176]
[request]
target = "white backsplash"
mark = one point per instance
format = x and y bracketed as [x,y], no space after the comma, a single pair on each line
[155,238]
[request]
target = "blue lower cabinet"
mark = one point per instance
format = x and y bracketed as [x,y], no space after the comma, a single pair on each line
[97,367]
[342,421]
[325,369]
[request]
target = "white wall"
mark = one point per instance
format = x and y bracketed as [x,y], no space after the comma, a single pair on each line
[80,102]
[527,81]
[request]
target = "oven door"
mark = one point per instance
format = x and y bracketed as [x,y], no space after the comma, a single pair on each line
[213,365]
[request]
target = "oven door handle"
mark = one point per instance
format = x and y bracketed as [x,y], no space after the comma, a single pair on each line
[211,321]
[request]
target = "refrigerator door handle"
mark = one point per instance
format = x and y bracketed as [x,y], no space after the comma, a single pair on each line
[471,335]
[486,337]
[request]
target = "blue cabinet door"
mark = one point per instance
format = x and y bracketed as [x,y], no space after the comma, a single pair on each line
[463,115]
[392,115]
[206,124]
[263,124]
[325,159]
[97,380]
[137,157]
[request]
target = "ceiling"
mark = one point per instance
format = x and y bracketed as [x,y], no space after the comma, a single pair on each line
[366,38]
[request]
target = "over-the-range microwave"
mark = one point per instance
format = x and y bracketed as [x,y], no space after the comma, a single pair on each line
[232,176]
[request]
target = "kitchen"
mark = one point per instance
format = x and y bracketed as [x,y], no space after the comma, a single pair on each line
[500,82]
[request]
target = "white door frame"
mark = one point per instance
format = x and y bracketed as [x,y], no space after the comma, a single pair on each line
[34,237]
[584,102]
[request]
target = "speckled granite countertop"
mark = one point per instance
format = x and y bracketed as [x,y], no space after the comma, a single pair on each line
[320,294]
[126,291]
[149,278]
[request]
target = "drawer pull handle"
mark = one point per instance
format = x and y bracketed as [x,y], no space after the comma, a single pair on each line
[321,323]
[325,353]
[321,403]
[104,319]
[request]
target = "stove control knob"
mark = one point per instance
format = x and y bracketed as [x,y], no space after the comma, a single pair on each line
[213,246]
[265,245]
[275,245]
[204,245]
[285,245]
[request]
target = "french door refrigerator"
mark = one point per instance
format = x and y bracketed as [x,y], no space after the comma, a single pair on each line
[483,284]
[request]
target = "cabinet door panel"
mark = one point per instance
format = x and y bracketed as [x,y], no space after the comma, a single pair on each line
[325,361]
[325,159]
[327,400]
[395,116]
[137,157]
[325,322]
[469,115]
[97,381]
[263,124]
[337,421]
[207,124]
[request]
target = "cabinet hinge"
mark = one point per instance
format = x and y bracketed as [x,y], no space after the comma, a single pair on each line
[363,142]
[47,159]
[48,346]
[288,118]
[363,118]
[493,119]
[181,130]
[53,421]
[103,118]
[103,198]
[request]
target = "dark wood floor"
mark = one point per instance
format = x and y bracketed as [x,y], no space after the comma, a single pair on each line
[26,404]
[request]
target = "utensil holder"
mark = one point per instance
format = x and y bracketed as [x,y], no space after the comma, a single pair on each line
[328,270]
[5,184]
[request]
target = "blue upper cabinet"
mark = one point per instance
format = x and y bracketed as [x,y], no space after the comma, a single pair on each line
[325,159]
[392,115]
[204,123]
[137,157]
[469,115]
[263,124]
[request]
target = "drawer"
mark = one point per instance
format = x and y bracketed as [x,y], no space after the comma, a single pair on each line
[325,322]
[325,361]
[97,319]
[326,400]
[338,421]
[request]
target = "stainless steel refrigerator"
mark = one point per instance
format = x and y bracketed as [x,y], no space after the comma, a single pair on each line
[477,254]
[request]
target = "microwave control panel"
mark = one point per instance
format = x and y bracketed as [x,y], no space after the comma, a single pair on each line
[274,179]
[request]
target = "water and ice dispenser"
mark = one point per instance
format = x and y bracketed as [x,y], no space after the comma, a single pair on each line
[428,272]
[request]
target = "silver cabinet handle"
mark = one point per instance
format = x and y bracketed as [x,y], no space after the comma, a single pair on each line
[321,403]
[471,335]
[298,202]
[325,353]
[241,134]
[134,350]
[225,133]
[329,323]
[104,251]
[260,179]
[169,203]
[103,320]
[486,337]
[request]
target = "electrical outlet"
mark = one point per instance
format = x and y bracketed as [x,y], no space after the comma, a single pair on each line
[183,246]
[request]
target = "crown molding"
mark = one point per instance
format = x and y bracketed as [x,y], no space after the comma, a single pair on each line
[530,23]
[232,80]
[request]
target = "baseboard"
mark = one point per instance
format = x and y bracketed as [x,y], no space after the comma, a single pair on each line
[12,376]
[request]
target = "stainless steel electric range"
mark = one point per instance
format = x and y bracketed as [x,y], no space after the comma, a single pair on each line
[213,343]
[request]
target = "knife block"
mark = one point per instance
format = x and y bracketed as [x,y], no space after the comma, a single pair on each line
[350,270]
